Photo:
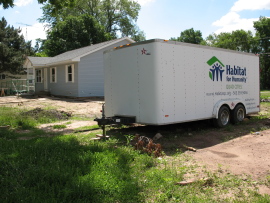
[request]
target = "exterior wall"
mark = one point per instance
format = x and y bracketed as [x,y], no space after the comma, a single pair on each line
[61,87]
[91,73]
[88,77]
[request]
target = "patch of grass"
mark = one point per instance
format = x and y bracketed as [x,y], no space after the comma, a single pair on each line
[25,119]
[73,168]
[229,128]
[129,138]
[265,94]
[15,118]
[81,118]
[265,104]
[268,180]
[61,169]
[85,128]
[59,126]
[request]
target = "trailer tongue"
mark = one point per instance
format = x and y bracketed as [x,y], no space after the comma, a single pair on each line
[103,121]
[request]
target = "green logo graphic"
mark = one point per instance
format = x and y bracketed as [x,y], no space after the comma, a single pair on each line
[216,70]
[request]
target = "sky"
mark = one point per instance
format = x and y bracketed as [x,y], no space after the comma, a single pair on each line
[161,19]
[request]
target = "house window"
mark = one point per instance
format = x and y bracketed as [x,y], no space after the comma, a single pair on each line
[2,76]
[70,73]
[38,76]
[53,75]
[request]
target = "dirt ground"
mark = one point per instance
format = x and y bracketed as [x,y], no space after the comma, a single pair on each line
[248,154]
[86,107]
[237,149]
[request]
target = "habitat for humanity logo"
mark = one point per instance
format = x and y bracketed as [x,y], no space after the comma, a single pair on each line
[216,70]
[233,74]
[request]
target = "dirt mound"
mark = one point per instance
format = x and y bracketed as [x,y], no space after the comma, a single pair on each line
[54,114]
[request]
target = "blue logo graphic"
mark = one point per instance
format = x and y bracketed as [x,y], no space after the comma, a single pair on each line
[216,70]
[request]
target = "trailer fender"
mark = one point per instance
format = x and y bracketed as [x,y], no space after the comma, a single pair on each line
[231,103]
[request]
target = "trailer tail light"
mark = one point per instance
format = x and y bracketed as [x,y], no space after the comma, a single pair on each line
[166,116]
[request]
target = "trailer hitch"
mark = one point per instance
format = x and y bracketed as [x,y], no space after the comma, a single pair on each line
[103,121]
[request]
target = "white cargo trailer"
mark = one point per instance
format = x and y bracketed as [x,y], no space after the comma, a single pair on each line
[160,82]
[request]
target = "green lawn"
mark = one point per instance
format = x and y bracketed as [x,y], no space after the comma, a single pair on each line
[73,168]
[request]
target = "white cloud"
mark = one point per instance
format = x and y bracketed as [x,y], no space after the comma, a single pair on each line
[22,2]
[144,2]
[33,32]
[229,18]
[233,21]
[241,5]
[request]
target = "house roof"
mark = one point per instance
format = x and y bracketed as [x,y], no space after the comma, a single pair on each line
[73,55]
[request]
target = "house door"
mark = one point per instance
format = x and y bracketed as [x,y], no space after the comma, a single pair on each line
[45,79]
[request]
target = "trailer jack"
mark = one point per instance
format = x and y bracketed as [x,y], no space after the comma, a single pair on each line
[103,121]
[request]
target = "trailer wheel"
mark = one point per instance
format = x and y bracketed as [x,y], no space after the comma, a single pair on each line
[223,117]
[238,114]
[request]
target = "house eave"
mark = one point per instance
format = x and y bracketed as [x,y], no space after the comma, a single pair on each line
[51,61]
[100,48]
[53,64]
[62,62]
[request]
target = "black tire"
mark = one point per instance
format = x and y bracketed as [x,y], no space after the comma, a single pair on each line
[223,117]
[238,114]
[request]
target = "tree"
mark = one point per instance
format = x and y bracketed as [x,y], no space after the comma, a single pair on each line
[189,36]
[38,49]
[13,48]
[117,16]
[239,40]
[57,3]
[73,33]
[262,27]
[138,36]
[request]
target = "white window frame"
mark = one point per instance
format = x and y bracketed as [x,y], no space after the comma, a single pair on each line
[53,79]
[70,76]
[41,75]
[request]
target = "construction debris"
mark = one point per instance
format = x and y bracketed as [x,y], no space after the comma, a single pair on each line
[190,148]
[146,144]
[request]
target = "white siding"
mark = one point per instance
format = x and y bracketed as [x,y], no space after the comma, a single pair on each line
[62,87]
[91,73]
